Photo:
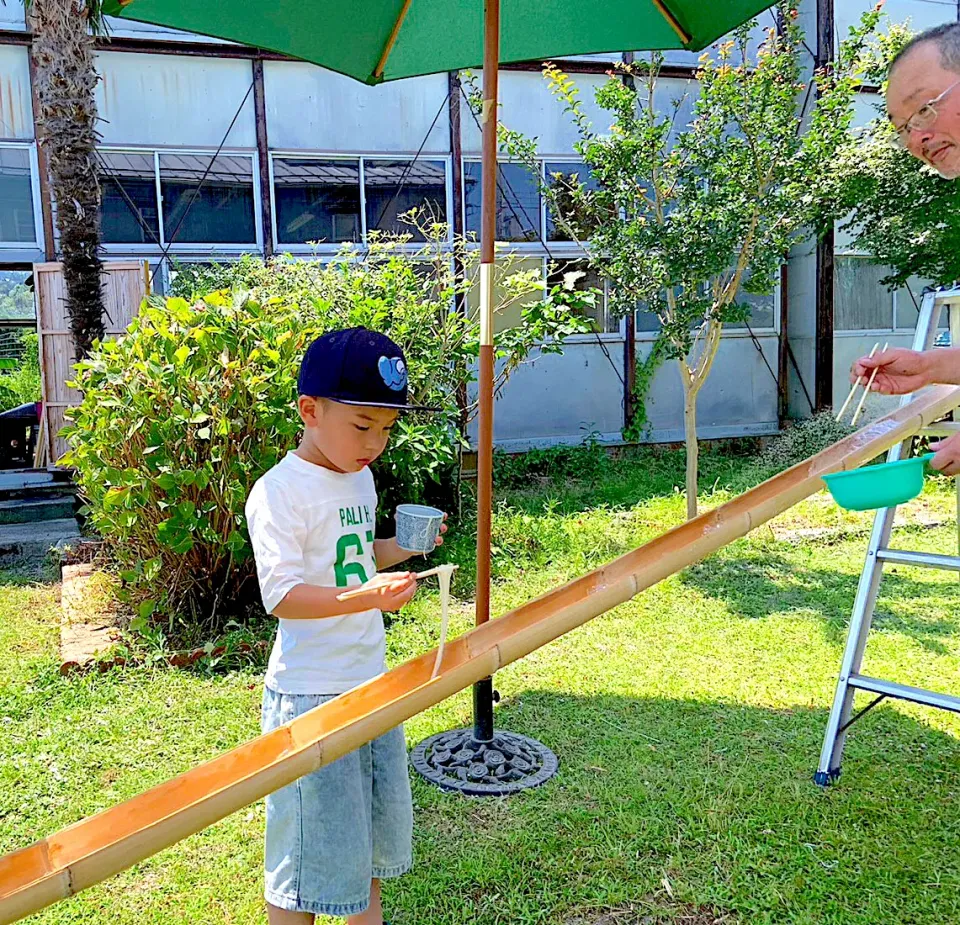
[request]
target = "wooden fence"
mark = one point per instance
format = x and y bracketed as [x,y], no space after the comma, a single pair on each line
[125,284]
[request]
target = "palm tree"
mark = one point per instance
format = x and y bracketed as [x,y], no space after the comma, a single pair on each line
[65,81]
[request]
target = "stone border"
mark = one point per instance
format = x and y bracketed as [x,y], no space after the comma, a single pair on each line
[82,634]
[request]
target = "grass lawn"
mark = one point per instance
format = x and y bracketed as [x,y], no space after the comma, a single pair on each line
[688,723]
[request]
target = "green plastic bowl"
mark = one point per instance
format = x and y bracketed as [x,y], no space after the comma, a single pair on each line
[883,485]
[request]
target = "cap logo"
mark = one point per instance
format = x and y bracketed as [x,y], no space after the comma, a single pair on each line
[393,371]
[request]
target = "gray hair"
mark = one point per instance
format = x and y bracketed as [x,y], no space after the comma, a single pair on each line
[947,37]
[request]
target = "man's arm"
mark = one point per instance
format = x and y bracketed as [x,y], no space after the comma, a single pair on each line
[901,371]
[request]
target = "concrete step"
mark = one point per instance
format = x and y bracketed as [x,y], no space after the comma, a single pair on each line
[35,540]
[18,479]
[34,510]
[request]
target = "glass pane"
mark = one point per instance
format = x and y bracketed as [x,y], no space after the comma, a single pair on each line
[507,314]
[317,200]
[128,213]
[761,311]
[861,303]
[647,322]
[16,197]
[518,202]
[908,304]
[395,187]
[559,174]
[218,212]
[16,295]
[589,279]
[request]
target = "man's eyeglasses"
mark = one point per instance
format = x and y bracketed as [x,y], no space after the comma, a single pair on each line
[923,118]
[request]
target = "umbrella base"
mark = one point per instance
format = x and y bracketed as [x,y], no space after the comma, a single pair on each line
[506,764]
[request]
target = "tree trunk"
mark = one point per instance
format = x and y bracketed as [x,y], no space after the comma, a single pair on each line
[690,438]
[63,50]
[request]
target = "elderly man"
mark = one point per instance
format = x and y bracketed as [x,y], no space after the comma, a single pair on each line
[923,103]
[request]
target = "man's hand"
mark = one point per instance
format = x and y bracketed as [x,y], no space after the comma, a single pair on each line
[947,459]
[386,591]
[899,371]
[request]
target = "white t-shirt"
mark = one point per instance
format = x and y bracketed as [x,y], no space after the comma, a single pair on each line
[310,525]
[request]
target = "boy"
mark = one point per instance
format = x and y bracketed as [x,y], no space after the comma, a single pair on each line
[334,834]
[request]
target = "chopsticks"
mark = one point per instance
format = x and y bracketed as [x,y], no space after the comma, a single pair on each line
[866,390]
[356,592]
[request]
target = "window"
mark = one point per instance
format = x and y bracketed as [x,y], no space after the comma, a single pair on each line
[559,176]
[341,200]
[128,183]
[762,309]
[648,322]
[17,219]
[202,198]
[16,296]
[208,202]
[861,301]
[762,315]
[394,187]
[317,200]
[518,202]
[558,274]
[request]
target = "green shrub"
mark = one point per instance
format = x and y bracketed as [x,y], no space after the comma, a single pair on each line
[22,383]
[181,415]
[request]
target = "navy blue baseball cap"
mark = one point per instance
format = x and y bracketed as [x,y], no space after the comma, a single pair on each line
[357,366]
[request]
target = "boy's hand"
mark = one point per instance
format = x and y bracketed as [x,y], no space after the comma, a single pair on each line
[386,591]
[443,529]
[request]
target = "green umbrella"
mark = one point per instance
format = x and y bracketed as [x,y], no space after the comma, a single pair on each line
[379,40]
[375,40]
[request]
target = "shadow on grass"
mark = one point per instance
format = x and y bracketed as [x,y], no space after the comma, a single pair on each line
[716,798]
[19,572]
[758,584]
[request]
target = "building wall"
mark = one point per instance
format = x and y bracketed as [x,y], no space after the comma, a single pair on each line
[165,114]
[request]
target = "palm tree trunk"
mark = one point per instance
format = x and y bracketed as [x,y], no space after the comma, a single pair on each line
[63,50]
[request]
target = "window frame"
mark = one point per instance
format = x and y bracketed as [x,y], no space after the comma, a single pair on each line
[331,248]
[177,248]
[33,161]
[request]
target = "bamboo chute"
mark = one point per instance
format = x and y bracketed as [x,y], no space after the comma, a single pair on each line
[102,845]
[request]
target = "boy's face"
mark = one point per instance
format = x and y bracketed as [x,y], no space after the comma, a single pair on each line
[345,437]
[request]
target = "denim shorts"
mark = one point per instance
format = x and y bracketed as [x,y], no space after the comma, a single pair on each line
[330,832]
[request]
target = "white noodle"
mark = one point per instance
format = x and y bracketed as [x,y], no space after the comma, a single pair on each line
[443,576]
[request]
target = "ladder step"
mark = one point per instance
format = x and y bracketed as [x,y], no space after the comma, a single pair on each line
[905,692]
[941,429]
[925,559]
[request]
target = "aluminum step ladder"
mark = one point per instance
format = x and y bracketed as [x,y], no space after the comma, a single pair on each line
[879,552]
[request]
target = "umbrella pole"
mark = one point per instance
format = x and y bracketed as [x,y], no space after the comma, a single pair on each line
[481,761]
[483,690]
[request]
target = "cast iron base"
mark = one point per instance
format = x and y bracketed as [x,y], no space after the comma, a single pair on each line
[508,763]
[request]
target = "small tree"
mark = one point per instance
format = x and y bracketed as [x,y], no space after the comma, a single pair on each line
[684,220]
[902,213]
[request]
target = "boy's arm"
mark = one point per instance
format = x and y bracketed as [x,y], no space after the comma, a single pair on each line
[388,553]
[312,602]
